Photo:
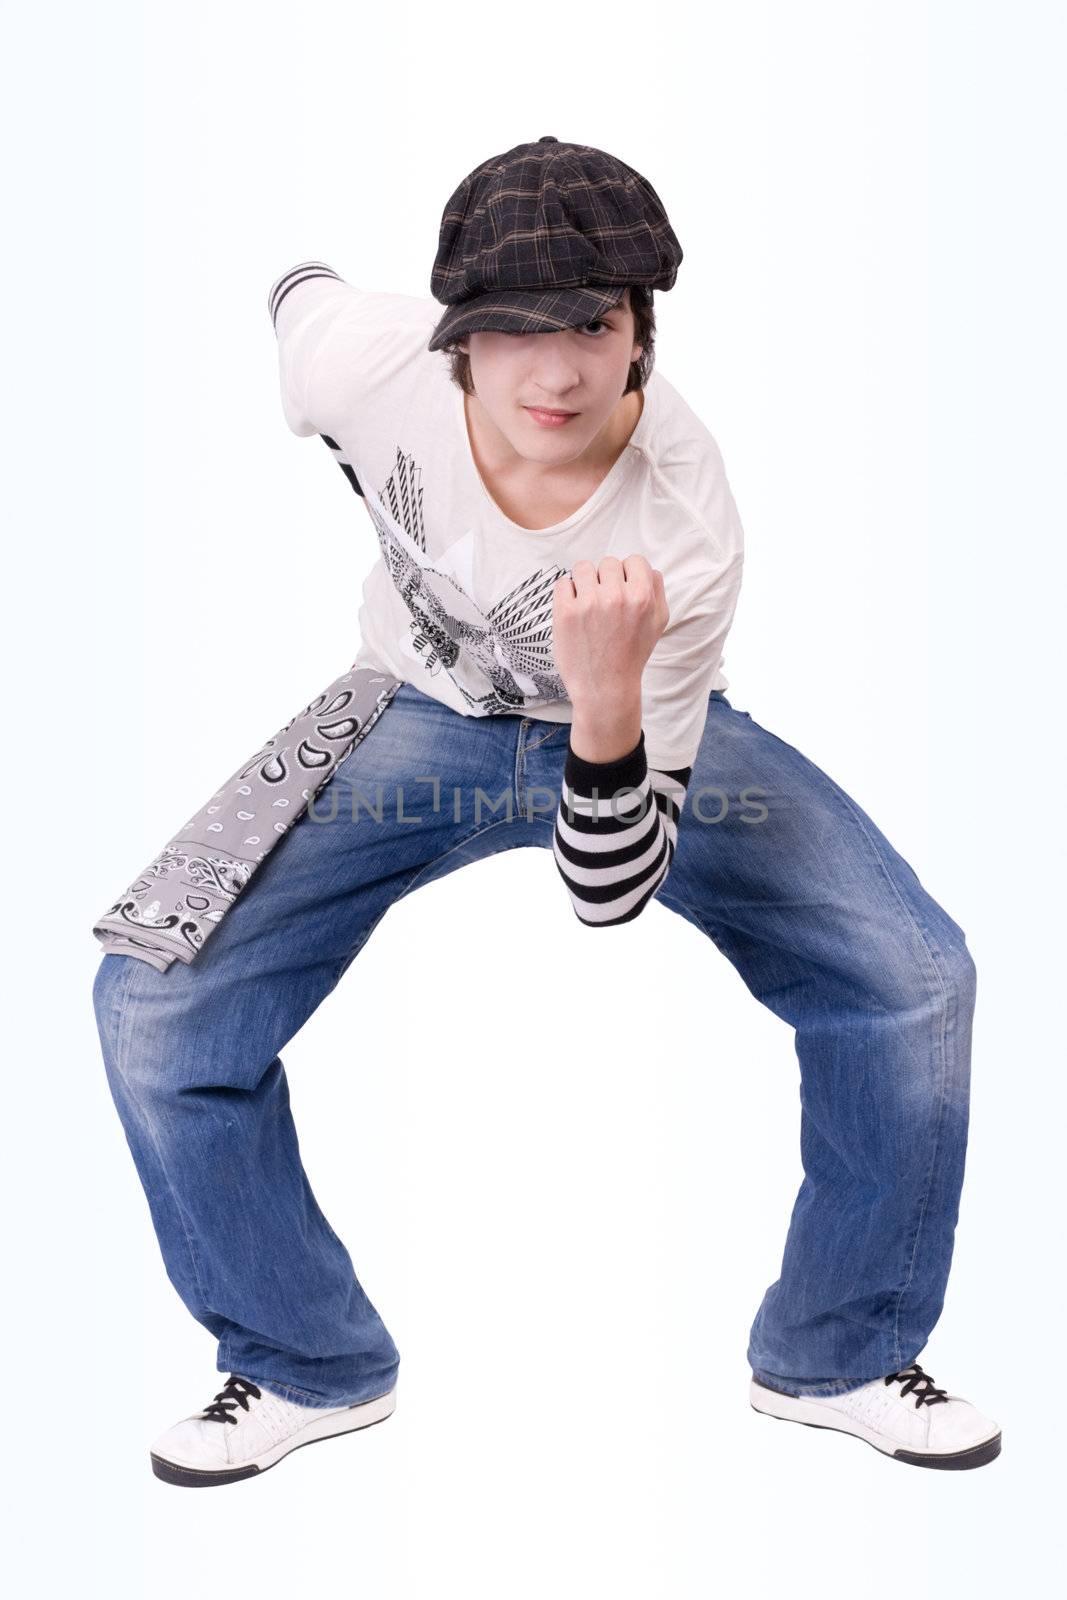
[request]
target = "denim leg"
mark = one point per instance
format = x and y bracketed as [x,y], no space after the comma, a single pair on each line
[192,1057]
[831,929]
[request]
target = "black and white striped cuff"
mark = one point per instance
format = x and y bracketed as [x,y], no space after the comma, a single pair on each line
[289,280]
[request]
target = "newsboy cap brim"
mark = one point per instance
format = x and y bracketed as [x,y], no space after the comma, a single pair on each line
[526,311]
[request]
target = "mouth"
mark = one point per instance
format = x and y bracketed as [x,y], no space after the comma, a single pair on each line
[549,419]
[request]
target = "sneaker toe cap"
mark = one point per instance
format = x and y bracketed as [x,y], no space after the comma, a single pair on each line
[189,1444]
[959,1426]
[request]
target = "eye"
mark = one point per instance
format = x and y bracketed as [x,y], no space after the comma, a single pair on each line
[596,322]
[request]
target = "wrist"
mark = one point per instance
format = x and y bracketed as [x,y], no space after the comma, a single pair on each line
[606,730]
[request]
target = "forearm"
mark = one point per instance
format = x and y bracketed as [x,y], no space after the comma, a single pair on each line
[613,857]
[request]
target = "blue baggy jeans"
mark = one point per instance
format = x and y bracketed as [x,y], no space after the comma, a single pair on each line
[827,925]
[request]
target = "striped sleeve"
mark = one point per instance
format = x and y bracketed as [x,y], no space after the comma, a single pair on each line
[283,287]
[613,857]
[302,304]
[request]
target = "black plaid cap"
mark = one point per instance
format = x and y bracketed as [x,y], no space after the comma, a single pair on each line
[547,236]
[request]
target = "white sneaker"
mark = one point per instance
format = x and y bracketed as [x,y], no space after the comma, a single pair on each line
[245,1430]
[903,1415]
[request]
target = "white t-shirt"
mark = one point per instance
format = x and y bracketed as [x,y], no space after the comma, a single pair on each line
[459,602]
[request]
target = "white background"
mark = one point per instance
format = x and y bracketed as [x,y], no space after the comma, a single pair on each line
[567,1196]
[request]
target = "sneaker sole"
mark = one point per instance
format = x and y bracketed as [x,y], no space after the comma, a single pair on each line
[332,1427]
[977,1455]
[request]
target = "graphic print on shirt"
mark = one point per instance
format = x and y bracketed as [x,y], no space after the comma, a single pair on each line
[500,659]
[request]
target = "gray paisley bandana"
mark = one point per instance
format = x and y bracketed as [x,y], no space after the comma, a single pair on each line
[171,908]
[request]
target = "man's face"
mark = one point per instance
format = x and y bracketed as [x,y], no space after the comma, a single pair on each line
[581,370]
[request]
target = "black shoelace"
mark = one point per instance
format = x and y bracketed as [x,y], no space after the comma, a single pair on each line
[233,1394]
[914,1377]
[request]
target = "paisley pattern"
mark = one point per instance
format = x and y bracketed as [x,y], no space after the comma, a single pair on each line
[171,909]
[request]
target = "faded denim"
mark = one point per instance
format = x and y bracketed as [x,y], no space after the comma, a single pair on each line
[827,925]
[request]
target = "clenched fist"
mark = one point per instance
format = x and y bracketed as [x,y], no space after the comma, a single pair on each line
[605,624]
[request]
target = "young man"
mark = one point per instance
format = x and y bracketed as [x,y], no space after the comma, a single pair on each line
[560,562]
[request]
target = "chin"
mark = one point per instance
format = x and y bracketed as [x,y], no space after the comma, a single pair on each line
[550,449]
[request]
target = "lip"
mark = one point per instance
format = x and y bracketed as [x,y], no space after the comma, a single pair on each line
[549,419]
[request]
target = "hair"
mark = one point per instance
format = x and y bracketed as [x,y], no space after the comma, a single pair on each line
[644,335]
